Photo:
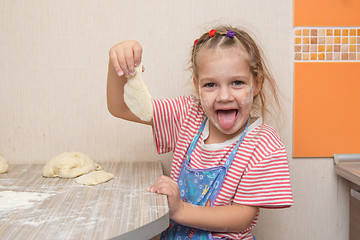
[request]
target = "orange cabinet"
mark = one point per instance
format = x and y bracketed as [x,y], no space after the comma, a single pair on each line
[326,108]
[326,13]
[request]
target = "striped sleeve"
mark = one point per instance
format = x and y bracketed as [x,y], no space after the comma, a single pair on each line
[168,117]
[266,182]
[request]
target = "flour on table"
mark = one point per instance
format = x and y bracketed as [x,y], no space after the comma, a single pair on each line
[94,178]
[3,165]
[69,165]
[137,96]
[12,200]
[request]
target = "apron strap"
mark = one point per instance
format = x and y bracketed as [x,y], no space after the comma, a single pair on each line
[194,141]
[233,152]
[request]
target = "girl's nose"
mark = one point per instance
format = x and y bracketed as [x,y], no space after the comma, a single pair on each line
[224,94]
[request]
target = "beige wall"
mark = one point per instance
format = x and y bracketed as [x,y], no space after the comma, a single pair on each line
[53,66]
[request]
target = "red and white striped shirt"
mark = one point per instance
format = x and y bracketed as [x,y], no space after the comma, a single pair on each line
[259,173]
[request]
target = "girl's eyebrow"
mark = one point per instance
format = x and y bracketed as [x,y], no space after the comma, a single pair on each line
[206,79]
[235,77]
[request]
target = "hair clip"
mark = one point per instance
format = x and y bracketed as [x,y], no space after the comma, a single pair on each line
[230,34]
[212,33]
[196,41]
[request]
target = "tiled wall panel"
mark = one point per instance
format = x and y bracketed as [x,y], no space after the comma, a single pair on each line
[326,51]
[326,44]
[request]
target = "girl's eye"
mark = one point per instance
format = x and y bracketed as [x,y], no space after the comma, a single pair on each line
[238,83]
[209,85]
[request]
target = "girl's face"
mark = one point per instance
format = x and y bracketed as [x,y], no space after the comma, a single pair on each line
[226,88]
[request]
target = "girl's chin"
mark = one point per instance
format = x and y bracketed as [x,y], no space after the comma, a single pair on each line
[231,131]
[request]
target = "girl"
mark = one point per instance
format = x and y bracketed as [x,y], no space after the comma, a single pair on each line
[227,163]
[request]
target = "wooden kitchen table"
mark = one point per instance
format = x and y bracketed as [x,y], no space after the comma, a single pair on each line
[348,167]
[34,207]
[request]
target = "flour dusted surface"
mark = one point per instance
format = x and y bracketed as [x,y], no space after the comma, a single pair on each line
[12,200]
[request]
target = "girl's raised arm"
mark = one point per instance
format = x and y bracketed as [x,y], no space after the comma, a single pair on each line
[124,57]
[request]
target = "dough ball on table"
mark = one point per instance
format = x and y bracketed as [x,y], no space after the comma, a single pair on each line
[94,178]
[69,165]
[137,96]
[3,165]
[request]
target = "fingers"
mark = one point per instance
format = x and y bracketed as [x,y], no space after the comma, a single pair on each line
[156,186]
[125,56]
[164,185]
[115,62]
[137,50]
[167,186]
[129,61]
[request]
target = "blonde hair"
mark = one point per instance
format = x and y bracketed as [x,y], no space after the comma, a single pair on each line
[258,67]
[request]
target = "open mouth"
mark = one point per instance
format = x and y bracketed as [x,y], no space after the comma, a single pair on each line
[227,118]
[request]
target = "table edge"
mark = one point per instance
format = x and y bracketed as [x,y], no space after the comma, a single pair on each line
[341,170]
[147,231]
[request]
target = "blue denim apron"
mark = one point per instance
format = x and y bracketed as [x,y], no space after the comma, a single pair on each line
[199,187]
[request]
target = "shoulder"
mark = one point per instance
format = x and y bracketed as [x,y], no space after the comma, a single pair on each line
[268,136]
[265,142]
[180,101]
[190,101]
[190,106]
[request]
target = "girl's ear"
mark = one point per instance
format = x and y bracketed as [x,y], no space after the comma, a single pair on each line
[258,85]
[196,84]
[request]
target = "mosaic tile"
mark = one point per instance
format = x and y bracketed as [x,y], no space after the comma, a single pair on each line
[327,44]
[329,32]
[329,48]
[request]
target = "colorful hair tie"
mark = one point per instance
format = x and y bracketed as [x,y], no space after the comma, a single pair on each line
[212,33]
[230,34]
[196,41]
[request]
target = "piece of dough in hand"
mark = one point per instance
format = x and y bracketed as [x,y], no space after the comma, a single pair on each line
[94,178]
[137,96]
[3,165]
[69,165]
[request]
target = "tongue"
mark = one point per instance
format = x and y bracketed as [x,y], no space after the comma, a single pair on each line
[226,118]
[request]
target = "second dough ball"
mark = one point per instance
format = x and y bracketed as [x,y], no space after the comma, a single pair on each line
[94,178]
[4,166]
[69,165]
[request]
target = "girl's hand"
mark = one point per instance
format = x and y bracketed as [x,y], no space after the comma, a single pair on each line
[125,56]
[228,218]
[167,186]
